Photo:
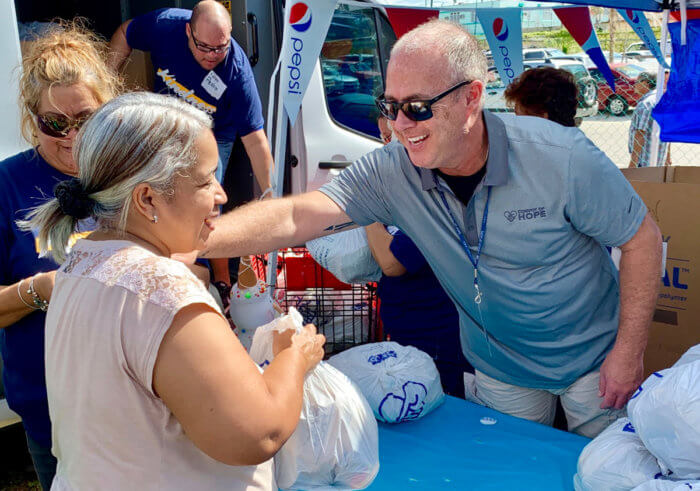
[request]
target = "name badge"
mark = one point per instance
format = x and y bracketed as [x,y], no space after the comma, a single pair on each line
[213,84]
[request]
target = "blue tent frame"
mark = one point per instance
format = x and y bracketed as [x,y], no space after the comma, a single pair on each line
[646,5]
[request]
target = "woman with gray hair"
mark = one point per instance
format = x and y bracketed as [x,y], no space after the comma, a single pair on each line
[147,384]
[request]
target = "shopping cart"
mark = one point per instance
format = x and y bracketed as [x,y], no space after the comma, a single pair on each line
[345,314]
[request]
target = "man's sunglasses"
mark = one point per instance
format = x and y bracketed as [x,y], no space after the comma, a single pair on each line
[205,48]
[417,110]
[58,125]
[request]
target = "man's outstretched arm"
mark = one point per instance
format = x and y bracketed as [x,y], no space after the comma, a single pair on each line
[265,226]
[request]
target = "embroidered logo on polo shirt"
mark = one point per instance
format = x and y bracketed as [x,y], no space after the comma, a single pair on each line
[526,214]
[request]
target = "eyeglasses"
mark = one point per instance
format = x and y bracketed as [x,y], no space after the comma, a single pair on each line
[205,48]
[58,125]
[419,110]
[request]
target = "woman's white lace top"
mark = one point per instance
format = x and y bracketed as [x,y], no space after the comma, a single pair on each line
[112,304]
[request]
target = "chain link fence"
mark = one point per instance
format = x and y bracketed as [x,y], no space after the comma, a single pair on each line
[619,122]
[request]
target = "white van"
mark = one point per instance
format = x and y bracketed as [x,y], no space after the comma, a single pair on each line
[337,121]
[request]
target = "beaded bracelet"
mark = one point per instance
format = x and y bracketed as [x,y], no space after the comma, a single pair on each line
[39,302]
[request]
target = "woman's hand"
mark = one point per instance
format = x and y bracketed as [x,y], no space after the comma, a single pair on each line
[43,284]
[306,341]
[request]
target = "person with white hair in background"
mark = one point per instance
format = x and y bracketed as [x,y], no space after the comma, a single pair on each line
[513,214]
[153,389]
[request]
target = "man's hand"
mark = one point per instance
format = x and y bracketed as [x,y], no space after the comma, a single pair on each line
[620,375]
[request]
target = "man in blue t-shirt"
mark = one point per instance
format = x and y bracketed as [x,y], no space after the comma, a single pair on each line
[196,59]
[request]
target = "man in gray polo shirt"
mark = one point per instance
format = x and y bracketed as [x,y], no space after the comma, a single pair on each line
[513,214]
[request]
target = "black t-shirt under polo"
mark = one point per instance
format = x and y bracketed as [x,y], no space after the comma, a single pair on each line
[463,186]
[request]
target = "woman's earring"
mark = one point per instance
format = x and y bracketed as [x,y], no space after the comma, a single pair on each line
[155,218]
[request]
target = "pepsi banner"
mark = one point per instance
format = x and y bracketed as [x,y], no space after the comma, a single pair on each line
[305,26]
[503,30]
[641,26]
[577,21]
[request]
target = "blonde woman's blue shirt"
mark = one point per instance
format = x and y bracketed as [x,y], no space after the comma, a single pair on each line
[550,306]
[26,181]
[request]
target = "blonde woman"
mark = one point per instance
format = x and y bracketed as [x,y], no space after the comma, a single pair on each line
[64,80]
[148,386]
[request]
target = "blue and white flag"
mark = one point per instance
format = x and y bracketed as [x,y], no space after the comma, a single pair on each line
[641,26]
[305,26]
[504,34]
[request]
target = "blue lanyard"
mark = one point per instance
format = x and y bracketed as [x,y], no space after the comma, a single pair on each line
[463,240]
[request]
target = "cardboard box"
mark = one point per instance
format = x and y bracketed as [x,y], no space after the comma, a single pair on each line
[674,203]
[688,175]
[646,174]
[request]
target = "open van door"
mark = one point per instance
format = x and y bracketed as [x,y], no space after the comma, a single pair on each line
[337,123]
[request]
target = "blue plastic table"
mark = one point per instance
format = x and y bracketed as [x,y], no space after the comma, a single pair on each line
[451,449]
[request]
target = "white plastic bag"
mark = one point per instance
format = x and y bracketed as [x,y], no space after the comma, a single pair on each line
[666,414]
[346,255]
[336,442]
[615,460]
[668,485]
[401,383]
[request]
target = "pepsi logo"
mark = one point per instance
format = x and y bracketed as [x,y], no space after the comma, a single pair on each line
[300,17]
[500,29]
[633,16]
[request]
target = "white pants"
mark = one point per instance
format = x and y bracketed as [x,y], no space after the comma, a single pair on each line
[580,402]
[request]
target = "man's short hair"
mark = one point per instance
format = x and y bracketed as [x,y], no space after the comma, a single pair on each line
[546,90]
[465,59]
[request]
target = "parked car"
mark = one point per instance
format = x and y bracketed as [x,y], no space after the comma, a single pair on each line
[638,54]
[338,83]
[640,50]
[531,54]
[616,58]
[617,103]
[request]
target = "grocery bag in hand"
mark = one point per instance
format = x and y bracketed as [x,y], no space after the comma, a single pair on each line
[336,442]
[347,256]
[615,460]
[665,410]
[401,383]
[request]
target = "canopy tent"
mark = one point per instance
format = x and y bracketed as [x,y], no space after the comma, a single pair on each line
[648,5]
